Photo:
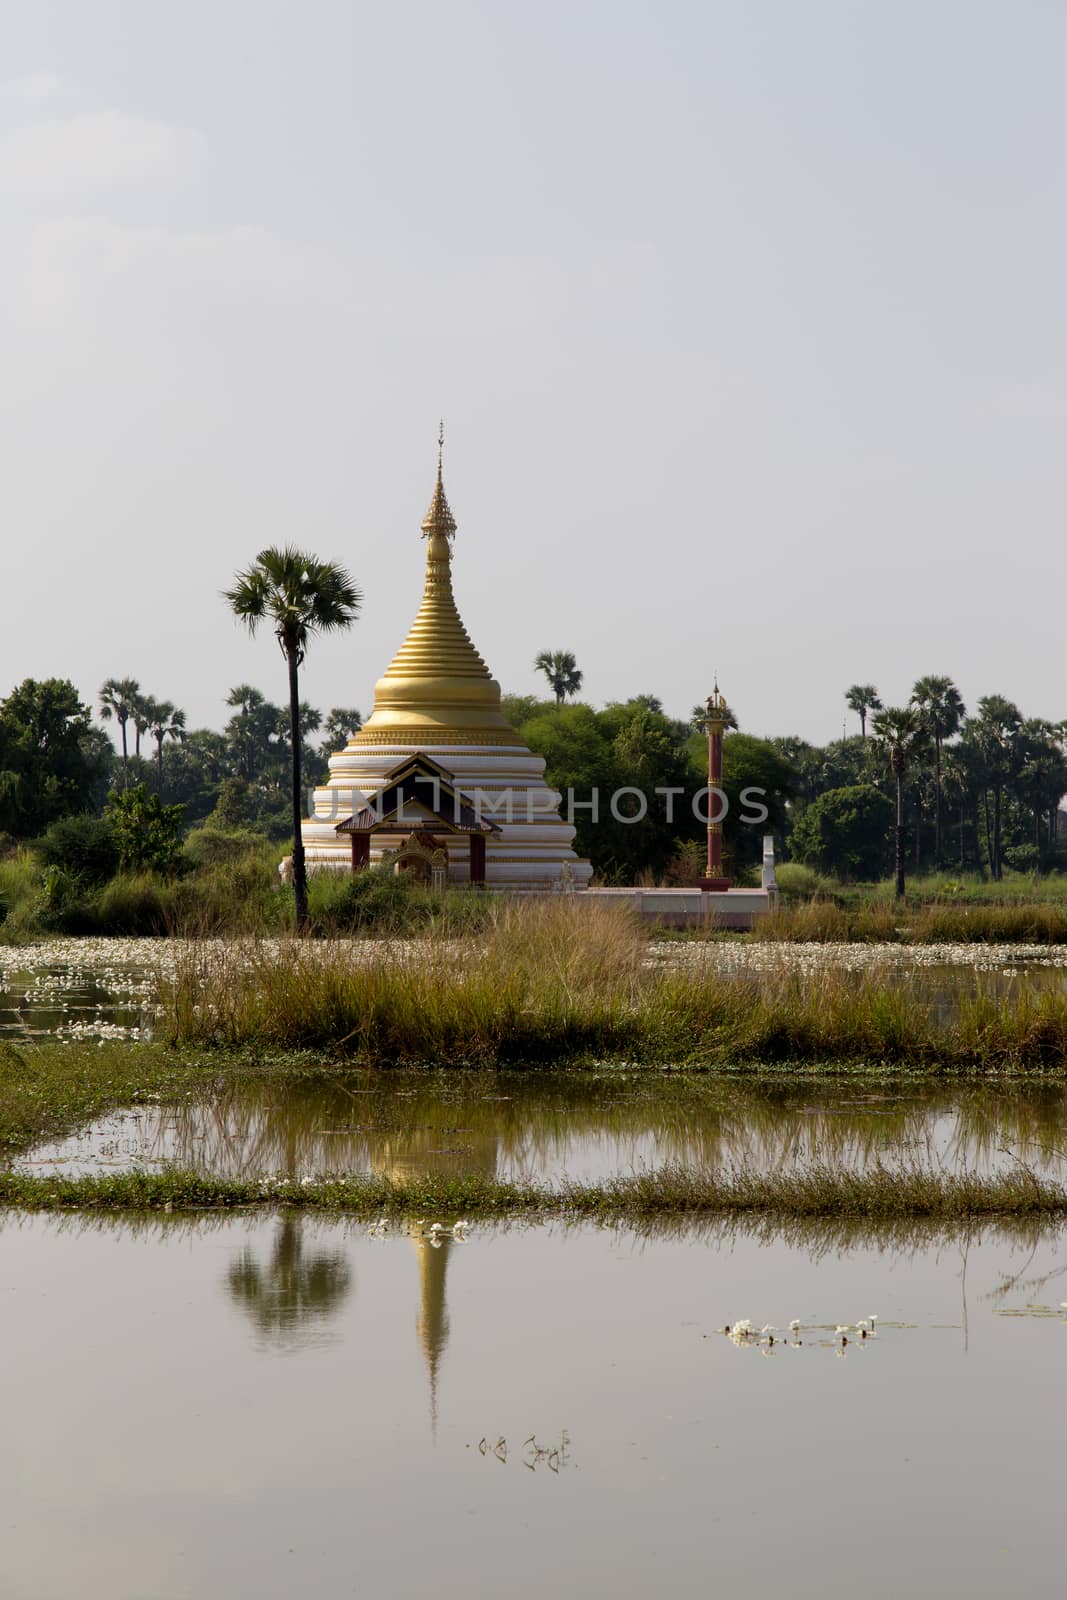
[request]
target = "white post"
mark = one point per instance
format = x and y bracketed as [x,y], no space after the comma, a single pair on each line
[768,879]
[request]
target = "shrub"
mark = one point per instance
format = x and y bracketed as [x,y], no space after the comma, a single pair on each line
[379,900]
[135,904]
[211,846]
[798,882]
[148,833]
[83,847]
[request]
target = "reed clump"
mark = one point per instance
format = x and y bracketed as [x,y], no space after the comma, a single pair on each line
[876,1194]
[556,980]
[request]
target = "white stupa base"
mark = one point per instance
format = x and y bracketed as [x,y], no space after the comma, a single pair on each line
[533,850]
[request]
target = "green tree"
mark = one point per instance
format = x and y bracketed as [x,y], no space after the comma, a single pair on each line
[561,670]
[754,773]
[901,733]
[861,698]
[118,699]
[1040,780]
[141,714]
[251,731]
[941,707]
[844,832]
[234,809]
[521,708]
[148,833]
[301,596]
[50,762]
[165,722]
[340,725]
[195,768]
[993,733]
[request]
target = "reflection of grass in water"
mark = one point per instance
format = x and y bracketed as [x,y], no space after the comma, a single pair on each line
[238,1116]
[812,1192]
[471,1122]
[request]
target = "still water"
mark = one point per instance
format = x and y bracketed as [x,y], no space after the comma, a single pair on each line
[541,1126]
[267,1406]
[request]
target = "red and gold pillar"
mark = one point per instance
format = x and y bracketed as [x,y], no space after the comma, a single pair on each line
[715,721]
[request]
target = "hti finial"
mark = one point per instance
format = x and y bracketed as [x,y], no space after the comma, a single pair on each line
[439,518]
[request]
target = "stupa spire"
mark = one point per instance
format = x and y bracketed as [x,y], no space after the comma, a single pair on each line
[439,518]
[437,680]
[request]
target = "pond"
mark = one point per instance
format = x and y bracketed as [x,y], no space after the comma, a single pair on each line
[546,1126]
[263,1406]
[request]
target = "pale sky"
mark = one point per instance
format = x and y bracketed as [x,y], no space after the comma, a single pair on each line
[746,322]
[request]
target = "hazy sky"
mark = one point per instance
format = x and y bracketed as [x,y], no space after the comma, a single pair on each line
[746,322]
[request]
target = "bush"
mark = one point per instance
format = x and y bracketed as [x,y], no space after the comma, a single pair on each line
[380,900]
[211,846]
[798,882]
[83,847]
[148,833]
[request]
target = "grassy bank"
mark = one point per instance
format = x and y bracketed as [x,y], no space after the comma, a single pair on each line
[823,921]
[240,896]
[557,981]
[881,1194]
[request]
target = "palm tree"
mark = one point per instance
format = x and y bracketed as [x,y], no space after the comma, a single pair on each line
[995,732]
[301,596]
[861,698]
[118,699]
[941,707]
[561,670]
[142,719]
[340,725]
[903,735]
[165,722]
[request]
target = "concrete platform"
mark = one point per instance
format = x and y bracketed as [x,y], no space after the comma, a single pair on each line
[735,909]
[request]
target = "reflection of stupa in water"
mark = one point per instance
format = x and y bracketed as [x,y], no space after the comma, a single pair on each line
[422,1153]
[432,1321]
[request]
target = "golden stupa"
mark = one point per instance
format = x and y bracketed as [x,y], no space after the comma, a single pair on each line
[439,701]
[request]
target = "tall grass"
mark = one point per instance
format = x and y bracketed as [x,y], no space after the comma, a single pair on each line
[561,980]
[20,881]
[945,922]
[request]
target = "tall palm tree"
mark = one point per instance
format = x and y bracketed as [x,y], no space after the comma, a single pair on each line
[118,699]
[861,698]
[995,733]
[941,707]
[561,670]
[340,725]
[141,713]
[301,596]
[165,722]
[903,736]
